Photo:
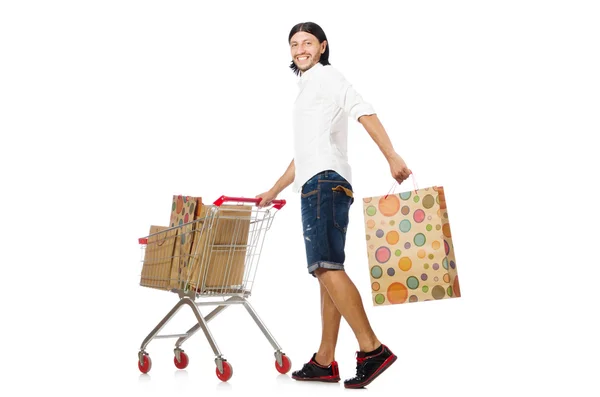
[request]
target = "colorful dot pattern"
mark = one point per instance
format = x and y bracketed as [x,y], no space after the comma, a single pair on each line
[409,246]
[182,212]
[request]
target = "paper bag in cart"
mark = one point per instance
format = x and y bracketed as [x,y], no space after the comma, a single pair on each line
[409,247]
[158,256]
[219,248]
[183,213]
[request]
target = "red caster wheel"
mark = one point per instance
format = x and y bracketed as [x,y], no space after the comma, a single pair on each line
[145,364]
[185,360]
[227,372]
[286,364]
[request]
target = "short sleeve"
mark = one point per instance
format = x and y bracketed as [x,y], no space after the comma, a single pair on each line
[344,95]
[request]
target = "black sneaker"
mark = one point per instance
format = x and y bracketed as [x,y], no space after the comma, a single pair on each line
[316,372]
[370,367]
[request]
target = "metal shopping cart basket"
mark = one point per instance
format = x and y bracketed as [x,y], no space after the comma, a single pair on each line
[209,261]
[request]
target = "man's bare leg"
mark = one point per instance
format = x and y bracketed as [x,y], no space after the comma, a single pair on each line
[347,300]
[330,322]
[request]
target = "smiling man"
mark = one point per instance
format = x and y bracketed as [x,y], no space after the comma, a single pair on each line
[322,175]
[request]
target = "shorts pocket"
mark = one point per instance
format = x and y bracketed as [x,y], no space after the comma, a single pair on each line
[310,204]
[304,195]
[343,197]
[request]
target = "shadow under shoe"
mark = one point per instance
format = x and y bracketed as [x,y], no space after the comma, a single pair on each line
[313,371]
[370,367]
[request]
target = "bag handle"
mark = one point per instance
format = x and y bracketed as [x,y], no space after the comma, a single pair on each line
[414,180]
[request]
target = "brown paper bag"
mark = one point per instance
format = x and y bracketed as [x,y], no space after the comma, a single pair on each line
[199,246]
[158,257]
[219,248]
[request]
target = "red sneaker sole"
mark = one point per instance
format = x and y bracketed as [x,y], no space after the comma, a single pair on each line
[331,380]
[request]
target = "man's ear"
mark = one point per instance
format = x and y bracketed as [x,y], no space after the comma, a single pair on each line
[323,46]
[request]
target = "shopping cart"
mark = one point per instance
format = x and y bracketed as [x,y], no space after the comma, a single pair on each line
[209,261]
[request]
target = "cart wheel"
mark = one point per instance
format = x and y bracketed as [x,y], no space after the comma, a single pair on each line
[286,364]
[227,372]
[145,365]
[185,360]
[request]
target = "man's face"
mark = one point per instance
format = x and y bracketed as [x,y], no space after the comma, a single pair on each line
[306,50]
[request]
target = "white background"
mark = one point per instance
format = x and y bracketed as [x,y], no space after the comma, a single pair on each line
[109,108]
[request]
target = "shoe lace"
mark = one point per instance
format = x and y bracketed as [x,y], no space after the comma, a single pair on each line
[360,367]
[306,367]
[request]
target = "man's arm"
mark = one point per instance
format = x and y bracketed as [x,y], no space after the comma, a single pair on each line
[371,123]
[286,179]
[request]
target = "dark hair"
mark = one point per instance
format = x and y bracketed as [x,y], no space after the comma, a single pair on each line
[315,30]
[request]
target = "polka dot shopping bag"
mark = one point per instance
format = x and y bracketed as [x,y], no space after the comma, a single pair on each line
[409,246]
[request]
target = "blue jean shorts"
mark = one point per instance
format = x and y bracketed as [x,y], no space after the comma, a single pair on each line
[325,202]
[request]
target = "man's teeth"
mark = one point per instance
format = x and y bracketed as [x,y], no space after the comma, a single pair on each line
[302,58]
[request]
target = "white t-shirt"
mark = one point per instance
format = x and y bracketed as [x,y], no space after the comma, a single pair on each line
[320,118]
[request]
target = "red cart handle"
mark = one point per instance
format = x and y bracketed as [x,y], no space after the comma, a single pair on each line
[277,204]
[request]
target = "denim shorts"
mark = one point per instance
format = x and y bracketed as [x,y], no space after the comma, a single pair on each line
[325,201]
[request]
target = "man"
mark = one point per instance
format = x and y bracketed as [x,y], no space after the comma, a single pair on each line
[321,173]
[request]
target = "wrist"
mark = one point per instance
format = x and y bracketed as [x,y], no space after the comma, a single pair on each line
[390,155]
